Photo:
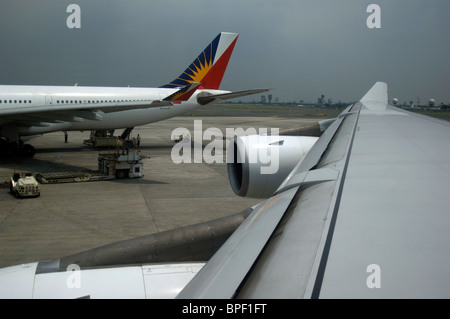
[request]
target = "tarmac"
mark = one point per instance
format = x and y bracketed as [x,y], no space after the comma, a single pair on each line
[72,217]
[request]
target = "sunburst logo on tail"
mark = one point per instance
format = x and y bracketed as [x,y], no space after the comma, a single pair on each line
[209,67]
[198,69]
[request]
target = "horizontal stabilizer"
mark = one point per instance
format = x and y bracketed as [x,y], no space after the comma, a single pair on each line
[209,98]
[183,94]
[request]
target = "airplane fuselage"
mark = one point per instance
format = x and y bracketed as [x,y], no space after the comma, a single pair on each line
[45,99]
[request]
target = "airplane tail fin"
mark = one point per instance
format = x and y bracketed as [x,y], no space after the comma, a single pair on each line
[209,67]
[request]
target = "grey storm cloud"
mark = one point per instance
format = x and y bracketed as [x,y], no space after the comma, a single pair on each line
[301,49]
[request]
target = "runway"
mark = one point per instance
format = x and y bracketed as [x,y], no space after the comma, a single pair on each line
[72,217]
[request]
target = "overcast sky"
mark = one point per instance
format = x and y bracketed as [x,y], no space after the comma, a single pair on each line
[300,48]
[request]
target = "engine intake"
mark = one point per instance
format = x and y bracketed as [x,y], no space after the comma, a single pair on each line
[258,164]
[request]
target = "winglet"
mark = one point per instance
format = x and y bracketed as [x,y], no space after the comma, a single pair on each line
[209,67]
[376,99]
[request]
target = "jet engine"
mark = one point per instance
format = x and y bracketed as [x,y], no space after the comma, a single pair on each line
[258,164]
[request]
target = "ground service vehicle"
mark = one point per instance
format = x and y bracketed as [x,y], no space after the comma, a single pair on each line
[24,185]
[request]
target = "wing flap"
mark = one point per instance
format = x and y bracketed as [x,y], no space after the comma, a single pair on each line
[228,267]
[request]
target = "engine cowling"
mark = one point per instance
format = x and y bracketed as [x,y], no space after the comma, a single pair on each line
[258,164]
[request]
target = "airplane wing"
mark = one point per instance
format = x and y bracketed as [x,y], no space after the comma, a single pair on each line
[107,107]
[365,214]
[207,98]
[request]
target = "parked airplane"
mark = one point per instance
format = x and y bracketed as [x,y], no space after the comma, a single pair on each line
[364,214]
[31,110]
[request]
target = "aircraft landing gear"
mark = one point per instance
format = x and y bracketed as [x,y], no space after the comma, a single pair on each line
[27,150]
[18,148]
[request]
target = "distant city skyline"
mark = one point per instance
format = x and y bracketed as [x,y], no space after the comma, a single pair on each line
[323,100]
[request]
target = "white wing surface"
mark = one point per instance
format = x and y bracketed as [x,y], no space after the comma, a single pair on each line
[364,215]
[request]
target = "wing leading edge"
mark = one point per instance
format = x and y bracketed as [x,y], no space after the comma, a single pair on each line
[350,206]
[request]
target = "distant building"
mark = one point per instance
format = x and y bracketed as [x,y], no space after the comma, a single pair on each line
[321,100]
[263,99]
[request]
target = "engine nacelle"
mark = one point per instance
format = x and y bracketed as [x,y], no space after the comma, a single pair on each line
[258,164]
